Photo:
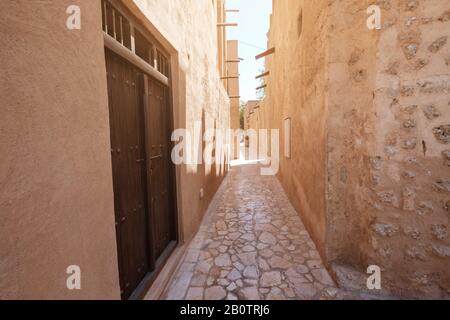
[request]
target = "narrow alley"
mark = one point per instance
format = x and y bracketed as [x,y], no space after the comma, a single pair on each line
[251,245]
[225,150]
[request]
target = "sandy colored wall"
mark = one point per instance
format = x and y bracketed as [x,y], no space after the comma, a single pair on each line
[350,136]
[249,107]
[296,88]
[388,144]
[233,91]
[190,28]
[370,133]
[56,194]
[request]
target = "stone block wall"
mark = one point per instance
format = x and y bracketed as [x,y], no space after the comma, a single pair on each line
[369,172]
[296,89]
[388,144]
[191,28]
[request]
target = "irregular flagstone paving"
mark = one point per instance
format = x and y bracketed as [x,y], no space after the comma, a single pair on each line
[251,245]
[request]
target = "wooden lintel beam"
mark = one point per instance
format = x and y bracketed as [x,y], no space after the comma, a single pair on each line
[234,97]
[229,77]
[234,61]
[262,75]
[261,87]
[265,53]
[130,56]
[227,24]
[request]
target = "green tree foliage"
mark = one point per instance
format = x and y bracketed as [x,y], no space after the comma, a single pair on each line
[242,108]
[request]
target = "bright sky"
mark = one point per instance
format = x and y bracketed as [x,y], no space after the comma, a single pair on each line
[253,20]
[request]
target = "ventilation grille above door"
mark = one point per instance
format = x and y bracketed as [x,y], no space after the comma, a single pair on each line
[120,27]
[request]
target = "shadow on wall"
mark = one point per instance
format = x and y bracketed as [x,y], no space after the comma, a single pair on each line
[198,181]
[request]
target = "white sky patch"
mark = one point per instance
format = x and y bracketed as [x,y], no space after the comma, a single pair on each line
[254,23]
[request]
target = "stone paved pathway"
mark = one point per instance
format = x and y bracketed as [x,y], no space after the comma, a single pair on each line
[252,245]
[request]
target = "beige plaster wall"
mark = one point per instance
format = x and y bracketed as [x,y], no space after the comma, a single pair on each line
[296,88]
[370,133]
[56,194]
[233,91]
[190,27]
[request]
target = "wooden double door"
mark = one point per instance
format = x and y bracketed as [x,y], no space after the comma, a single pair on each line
[143,177]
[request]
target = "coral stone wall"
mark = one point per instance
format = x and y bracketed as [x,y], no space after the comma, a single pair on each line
[56,192]
[370,109]
[388,142]
[191,28]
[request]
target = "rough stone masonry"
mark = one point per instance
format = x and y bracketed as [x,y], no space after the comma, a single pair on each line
[370,111]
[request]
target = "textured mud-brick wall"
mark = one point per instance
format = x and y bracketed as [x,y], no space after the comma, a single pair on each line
[388,144]
[191,28]
[56,193]
[297,89]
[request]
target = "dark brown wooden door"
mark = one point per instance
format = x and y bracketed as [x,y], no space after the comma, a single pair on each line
[128,162]
[142,170]
[159,164]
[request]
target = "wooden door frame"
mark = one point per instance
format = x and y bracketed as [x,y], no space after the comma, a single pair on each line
[176,87]
[130,10]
